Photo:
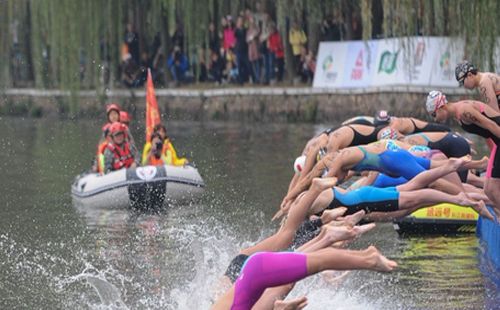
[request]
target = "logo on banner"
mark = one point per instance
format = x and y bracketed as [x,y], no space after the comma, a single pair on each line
[388,62]
[444,63]
[357,71]
[419,54]
[327,65]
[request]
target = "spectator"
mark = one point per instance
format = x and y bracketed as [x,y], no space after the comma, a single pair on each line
[144,65]
[241,49]
[267,55]
[178,37]
[130,72]
[216,67]
[231,73]
[131,39]
[213,38]
[333,28]
[178,65]
[297,39]
[306,65]
[247,16]
[276,47]
[357,27]
[253,49]
[229,38]
[203,77]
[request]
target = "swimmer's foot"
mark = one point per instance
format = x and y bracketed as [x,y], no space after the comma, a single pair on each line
[333,214]
[341,233]
[359,230]
[479,206]
[380,262]
[353,219]
[320,184]
[294,304]
[457,163]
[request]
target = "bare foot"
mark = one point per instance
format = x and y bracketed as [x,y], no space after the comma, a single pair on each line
[297,303]
[333,214]
[353,219]
[334,234]
[321,184]
[457,163]
[362,229]
[479,206]
[381,263]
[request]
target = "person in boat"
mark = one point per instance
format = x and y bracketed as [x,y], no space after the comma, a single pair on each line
[168,153]
[114,115]
[406,125]
[98,162]
[156,156]
[117,154]
[124,118]
[477,118]
[487,83]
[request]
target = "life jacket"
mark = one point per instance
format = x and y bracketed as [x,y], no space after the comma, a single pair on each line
[153,161]
[123,158]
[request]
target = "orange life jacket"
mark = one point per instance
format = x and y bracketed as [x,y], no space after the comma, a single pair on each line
[123,158]
[100,157]
[153,161]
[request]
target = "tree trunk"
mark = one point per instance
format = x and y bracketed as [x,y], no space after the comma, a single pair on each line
[165,42]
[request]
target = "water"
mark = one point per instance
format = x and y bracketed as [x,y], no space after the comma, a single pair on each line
[53,256]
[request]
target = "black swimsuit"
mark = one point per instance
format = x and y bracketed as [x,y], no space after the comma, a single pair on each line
[360,139]
[430,127]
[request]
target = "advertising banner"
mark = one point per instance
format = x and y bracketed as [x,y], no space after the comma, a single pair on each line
[360,63]
[330,64]
[388,64]
[417,61]
[447,55]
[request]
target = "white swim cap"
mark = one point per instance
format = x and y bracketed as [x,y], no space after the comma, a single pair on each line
[299,164]
[389,133]
[435,100]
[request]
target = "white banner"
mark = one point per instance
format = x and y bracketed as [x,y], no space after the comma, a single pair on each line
[447,55]
[330,64]
[360,63]
[415,61]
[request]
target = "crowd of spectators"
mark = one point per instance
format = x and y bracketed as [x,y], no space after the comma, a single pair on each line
[247,49]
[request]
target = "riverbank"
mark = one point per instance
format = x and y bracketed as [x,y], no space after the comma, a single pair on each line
[264,104]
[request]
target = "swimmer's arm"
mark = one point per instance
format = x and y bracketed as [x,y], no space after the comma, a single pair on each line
[487,91]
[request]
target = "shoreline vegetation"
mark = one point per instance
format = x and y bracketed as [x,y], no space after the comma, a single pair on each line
[257,104]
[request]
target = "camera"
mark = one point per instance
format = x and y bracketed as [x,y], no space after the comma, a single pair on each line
[159,146]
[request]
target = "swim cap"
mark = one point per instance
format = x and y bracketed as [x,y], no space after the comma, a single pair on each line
[463,68]
[389,133]
[435,100]
[299,164]
[382,117]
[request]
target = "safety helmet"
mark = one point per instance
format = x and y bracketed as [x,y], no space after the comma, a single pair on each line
[116,128]
[382,117]
[463,68]
[299,164]
[389,133]
[105,129]
[435,100]
[124,117]
[112,107]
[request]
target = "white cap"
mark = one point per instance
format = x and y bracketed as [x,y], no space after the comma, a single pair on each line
[435,100]
[299,164]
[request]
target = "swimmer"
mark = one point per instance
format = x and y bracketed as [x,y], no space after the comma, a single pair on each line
[477,118]
[487,83]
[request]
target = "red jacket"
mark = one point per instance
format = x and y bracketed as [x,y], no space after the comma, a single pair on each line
[275,45]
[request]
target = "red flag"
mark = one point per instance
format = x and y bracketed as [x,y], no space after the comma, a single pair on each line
[152,112]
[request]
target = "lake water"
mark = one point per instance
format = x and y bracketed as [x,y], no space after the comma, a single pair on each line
[53,256]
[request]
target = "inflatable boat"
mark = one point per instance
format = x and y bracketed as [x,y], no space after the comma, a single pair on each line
[147,187]
[443,218]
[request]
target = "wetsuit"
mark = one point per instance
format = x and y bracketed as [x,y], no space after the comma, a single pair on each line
[360,139]
[368,198]
[451,145]
[430,127]
[494,164]
[394,162]
[267,269]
